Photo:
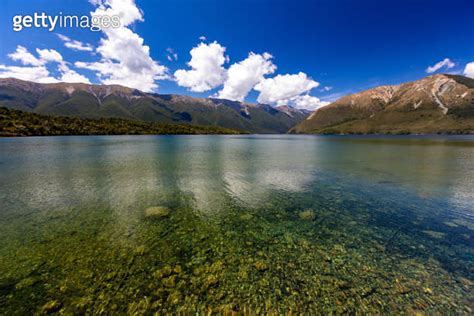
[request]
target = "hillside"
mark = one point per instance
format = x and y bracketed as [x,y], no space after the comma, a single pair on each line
[20,123]
[435,104]
[113,101]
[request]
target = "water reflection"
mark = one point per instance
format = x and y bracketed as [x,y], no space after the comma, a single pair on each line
[123,172]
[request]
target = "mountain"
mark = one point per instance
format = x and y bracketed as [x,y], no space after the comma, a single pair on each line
[435,104]
[113,101]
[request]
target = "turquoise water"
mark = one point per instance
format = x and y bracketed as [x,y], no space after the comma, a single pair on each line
[249,224]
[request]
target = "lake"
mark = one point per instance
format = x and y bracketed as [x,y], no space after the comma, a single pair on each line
[251,224]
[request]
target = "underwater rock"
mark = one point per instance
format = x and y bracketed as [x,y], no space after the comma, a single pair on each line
[170,281]
[177,269]
[260,266]
[157,212]
[246,216]
[174,298]
[307,215]
[140,250]
[434,234]
[50,307]
[243,274]
[166,271]
[217,266]
[211,280]
[27,282]
[465,282]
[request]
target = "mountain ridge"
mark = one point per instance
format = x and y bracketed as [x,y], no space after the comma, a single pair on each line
[435,104]
[115,101]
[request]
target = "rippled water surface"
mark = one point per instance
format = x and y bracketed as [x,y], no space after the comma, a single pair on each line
[248,224]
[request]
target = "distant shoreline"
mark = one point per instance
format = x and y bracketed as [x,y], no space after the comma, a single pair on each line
[15,123]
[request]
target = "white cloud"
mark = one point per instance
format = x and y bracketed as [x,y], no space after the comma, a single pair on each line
[75,45]
[446,63]
[49,55]
[38,71]
[304,102]
[284,87]
[207,71]
[125,60]
[126,9]
[202,38]
[69,75]
[25,57]
[469,70]
[244,75]
[30,73]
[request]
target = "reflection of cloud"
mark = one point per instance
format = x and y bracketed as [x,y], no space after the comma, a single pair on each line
[199,173]
[253,168]
[128,174]
[461,183]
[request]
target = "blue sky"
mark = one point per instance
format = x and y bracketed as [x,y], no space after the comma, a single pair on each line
[319,49]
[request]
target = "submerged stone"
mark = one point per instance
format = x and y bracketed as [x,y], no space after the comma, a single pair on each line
[211,280]
[174,298]
[25,283]
[170,281]
[246,216]
[434,234]
[307,215]
[50,307]
[140,250]
[260,266]
[427,290]
[166,271]
[157,212]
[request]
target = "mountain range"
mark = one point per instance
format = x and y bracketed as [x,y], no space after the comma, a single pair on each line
[114,101]
[435,104]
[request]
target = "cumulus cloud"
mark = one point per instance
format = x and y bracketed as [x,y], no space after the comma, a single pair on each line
[469,70]
[207,71]
[30,73]
[244,75]
[304,102]
[202,38]
[284,87]
[75,45]
[25,57]
[69,75]
[126,9]
[446,63]
[125,59]
[35,67]
[49,55]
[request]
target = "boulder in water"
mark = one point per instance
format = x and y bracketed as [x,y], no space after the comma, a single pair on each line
[307,215]
[157,212]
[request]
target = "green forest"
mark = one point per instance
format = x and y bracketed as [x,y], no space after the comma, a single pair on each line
[20,123]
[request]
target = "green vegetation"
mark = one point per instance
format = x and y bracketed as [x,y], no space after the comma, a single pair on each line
[19,123]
